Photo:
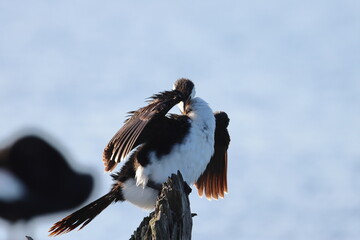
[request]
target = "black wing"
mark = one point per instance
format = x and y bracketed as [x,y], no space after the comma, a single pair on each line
[213,181]
[138,126]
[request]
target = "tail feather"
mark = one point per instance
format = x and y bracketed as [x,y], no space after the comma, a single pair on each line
[82,216]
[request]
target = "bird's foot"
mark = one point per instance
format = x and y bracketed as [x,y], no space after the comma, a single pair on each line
[155,186]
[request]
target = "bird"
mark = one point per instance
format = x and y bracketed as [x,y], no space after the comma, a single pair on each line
[153,144]
[45,177]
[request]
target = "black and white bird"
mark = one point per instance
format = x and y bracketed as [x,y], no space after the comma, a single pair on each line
[40,175]
[154,144]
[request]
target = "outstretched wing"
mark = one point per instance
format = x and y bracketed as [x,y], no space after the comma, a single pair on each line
[138,126]
[213,181]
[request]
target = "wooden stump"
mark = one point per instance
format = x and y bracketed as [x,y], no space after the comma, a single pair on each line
[172,218]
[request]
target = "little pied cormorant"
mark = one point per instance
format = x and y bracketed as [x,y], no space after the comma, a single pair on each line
[154,144]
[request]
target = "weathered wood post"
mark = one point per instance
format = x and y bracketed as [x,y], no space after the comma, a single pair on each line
[172,218]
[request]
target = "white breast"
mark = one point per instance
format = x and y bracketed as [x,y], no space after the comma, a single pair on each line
[191,156]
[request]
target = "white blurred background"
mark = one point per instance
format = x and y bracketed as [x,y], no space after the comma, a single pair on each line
[286,72]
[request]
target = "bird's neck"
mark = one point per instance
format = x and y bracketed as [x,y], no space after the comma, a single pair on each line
[201,114]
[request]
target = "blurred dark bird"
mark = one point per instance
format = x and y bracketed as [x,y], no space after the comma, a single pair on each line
[49,184]
[154,144]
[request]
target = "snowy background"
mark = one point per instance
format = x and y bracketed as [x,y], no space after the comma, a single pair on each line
[286,72]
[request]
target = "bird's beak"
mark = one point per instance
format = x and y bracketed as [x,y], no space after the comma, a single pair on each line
[185,104]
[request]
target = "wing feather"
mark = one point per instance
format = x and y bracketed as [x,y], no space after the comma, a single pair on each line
[213,181]
[138,127]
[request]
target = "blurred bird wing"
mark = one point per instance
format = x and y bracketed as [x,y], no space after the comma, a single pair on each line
[213,181]
[138,127]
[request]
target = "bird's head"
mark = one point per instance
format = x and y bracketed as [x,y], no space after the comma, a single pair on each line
[187,88]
